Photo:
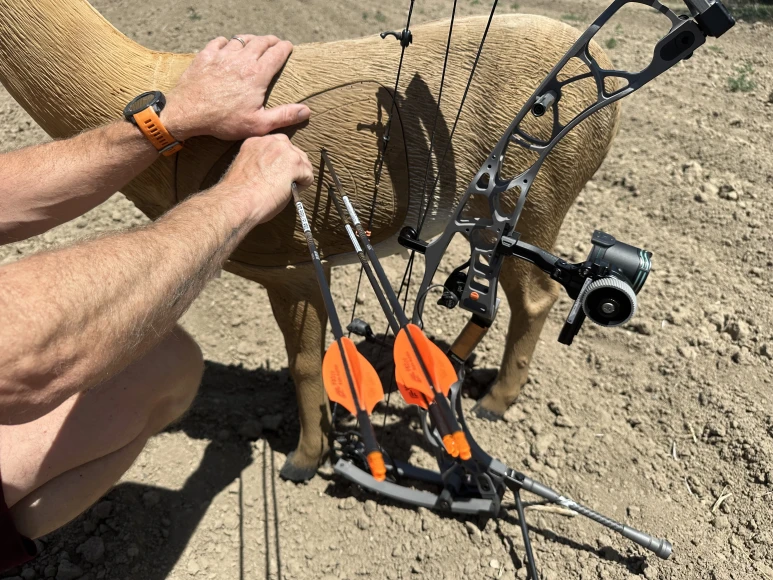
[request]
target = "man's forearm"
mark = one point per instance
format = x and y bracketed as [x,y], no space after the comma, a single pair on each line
[73,317]
[49,184]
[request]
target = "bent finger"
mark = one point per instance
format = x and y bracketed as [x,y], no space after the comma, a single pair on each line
[215,44]
[305,172]
[274,59]
[261,44]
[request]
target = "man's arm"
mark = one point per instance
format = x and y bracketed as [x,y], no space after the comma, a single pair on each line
[73,317]
[222,94]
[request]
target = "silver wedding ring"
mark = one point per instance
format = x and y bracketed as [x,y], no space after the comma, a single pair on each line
[240,40]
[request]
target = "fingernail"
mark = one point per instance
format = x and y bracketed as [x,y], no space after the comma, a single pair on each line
[303,114]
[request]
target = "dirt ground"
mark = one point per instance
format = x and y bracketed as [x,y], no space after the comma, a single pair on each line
[666,424]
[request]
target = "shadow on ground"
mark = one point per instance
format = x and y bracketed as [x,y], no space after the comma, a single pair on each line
[147,528]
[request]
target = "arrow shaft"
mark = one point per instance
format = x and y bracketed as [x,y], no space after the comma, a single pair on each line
[332,314]
[394,301]
[393,324]
[447,418]
[433,408]
[366,426]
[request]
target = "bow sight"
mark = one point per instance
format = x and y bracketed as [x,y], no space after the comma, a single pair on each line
[604,288]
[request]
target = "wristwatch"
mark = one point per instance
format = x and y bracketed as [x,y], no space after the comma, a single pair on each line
[143,112]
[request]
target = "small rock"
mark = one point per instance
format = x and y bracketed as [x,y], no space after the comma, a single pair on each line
[116,216]
[770,97]
[92,550]
[193,567]
[728,192]
[251,430]
[370,507]
[89,526]
[416,570]
[363,523]
[151,498]
[50,571]
[474,532]
[494,564]
[692,172]
[272,422]
[721,522]
[68,571]
[710,189]
[766,350]
[245,348]
[28,574]
[716,430]
[641,327]
[562,421]
[102,510]
[348,504]
[738,330]
[542,444]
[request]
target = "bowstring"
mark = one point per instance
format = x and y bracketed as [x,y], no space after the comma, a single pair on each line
[408,275]
[382,154]
[379,170]
[437,114]
[405,283]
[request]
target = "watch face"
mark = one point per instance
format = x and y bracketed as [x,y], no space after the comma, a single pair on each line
[143,101]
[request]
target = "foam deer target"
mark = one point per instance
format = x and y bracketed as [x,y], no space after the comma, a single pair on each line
[69,81]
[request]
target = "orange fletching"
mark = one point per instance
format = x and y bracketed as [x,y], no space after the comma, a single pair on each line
[410,379]
[435,360]
[367,384]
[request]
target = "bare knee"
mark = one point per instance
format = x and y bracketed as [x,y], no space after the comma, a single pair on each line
[181,365]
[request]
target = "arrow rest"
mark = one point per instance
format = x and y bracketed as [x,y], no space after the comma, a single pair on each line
[604,288]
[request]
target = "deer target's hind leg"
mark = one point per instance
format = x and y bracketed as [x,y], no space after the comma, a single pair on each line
[300,312]
[530,294]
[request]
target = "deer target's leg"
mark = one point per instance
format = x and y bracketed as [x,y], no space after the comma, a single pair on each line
[531,294]
[300,313]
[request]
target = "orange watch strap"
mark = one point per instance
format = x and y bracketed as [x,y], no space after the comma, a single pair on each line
[152,127]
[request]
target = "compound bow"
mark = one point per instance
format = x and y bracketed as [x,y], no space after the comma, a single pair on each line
[604,287]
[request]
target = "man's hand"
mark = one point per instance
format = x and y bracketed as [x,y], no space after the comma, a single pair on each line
[223,91]
[263,172]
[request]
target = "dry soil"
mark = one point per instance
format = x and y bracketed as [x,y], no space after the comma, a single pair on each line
[666,424]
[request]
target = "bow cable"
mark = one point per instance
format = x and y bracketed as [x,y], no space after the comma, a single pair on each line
[384,145]
[408,274]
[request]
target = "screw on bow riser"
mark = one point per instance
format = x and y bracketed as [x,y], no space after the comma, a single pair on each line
[405,36]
